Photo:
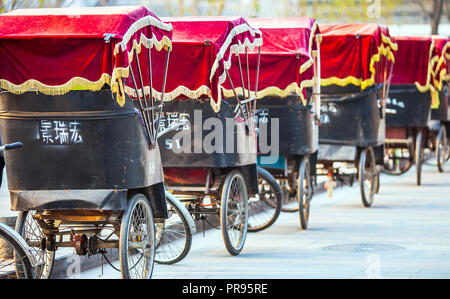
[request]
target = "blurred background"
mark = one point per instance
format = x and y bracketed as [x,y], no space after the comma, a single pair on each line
[411,17]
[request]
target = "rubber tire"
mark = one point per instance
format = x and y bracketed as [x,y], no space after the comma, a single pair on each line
[123,239]
[272,182]
[224,209]
[17,249]
[441,155]
[365,153]
[418,158]
[50,255]
[304,169]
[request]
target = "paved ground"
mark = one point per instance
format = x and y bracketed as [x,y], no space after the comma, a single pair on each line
[406,234]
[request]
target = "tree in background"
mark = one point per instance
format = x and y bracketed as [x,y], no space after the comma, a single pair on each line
[434,12]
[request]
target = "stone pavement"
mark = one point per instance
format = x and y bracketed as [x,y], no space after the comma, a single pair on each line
[405,234]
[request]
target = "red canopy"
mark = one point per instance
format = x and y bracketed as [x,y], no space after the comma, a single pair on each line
[353,54]
[286,58]
[202,48]
[413,60]
[440,60]
[57,50]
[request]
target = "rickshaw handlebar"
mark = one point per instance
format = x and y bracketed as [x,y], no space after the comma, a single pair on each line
[11,146]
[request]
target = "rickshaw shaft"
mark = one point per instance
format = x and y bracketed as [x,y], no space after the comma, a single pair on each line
[99,244]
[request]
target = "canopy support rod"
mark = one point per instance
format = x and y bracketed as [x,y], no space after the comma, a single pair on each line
[139,100]
[257,79]
[150,82]
[141,81]
[242,83]
[234,91]
[166,67]
[248,71]
[251,105]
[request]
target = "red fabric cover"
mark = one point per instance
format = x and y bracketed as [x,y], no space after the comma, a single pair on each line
[348,50]
[53,46]
[412,60]
[201,50]
[288,46]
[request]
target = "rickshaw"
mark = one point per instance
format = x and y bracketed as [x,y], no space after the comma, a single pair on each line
[408,108]
[210,160]
[440,112]
[287,116]
[89,174]
[356,67]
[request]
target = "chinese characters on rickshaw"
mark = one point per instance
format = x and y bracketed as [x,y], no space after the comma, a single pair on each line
[356,69]
[89,174]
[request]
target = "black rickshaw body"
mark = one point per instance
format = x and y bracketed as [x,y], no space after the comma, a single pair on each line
[407,107]
[350,119]
[80,151]
[297,132]
[183,150]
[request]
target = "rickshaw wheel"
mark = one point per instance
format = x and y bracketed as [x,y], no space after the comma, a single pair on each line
[441,148]
[31,231]
[173,237]
[418,157]
[304,192]
[137,239]
[234,212]
[12,253]
[265,207]
[367,176]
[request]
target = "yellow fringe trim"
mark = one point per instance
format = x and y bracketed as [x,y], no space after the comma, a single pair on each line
[176,93]
[306,65]
[434,99]
[292,88]
[389,41]
[76,83]
[428,86]
[440,76]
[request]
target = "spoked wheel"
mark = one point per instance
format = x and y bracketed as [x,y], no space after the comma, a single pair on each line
[14,262]
[265,207]
[418,157]
[442,148]
[367,176]
[173,237]
[304,192]
[32,232]
[234,212]
[137,239]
